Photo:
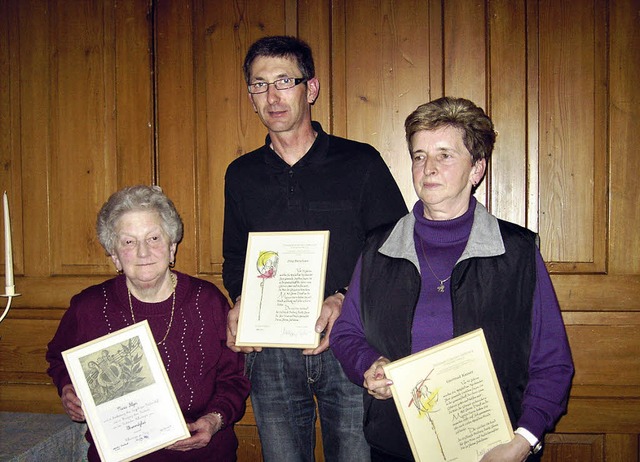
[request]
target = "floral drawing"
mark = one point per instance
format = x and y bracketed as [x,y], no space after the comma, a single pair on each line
[267,265]
[425,401]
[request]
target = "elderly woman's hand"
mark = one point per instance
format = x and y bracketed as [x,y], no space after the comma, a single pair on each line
[376,382]
[71,403]
[202,430]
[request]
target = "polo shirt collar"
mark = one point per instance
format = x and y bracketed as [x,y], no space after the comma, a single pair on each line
[316,154]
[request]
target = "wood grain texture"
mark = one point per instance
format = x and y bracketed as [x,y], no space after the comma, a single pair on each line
[507,180]
[624,66]
[83,131]
[386,76]
[99,94]
[572,134]
[578,448]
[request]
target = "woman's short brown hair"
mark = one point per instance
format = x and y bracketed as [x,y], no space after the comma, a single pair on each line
[477,130]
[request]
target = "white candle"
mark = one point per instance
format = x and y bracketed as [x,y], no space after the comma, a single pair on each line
[8,255]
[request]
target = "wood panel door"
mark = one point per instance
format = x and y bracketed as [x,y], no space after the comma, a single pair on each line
[76,124]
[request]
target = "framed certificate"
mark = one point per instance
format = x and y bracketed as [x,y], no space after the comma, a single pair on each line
[283,289]
[126,395]
[449,400]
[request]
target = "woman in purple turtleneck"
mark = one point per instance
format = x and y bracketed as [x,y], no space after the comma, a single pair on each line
[140,229]
[445,269]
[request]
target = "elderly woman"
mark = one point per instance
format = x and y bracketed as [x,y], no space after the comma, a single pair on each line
[445,269]
[140,229]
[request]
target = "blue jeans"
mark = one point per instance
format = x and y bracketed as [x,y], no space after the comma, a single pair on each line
[283,385]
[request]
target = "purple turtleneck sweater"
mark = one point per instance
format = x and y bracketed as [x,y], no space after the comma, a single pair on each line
[550,363]
[439,244]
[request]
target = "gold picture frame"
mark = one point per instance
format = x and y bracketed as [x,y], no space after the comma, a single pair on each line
[449,400]
[283,289]
[126,395]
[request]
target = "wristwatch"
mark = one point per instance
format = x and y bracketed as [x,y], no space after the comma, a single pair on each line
[535,449]
[535,444]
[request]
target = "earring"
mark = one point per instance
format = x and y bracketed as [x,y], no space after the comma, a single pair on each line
[119,271]
[172,264]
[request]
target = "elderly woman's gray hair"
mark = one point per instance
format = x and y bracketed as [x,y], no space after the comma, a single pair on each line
[133,199]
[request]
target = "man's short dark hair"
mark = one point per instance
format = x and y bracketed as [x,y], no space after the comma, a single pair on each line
[281,46]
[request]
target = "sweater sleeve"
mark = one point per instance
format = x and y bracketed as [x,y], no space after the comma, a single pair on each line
[63,339]
[550,364]
[348,341]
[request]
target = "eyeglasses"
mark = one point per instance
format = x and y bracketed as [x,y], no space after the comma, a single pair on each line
[280,84]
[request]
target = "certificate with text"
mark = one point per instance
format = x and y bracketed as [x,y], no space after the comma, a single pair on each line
[449,400]
[127,399]
[283,289]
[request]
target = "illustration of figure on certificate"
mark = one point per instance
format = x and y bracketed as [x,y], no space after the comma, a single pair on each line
[426,401]
[116,371]
[267,266]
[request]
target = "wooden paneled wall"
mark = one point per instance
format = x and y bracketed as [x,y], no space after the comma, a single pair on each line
[99,94]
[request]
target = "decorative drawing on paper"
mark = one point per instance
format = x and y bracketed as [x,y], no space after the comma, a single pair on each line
[425,401]
[267,266]
[116,371]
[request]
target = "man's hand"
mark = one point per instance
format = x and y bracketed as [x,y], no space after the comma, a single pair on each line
[516,450]
[376,382]
[202,430]
[331,309]
[71,403]
[232,330]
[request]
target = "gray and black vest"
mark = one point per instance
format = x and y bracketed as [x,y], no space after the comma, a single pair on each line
[495,293]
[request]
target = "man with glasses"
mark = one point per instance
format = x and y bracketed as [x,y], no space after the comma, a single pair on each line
[302,179]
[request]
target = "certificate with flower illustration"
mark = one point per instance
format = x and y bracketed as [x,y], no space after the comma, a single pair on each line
[283,289]
[449,400]
[126,396]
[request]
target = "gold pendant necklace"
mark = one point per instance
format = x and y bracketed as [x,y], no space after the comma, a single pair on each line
[174,283]
[440,288]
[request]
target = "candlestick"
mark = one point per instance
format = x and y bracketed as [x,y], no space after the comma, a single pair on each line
[10,290]
[8,254]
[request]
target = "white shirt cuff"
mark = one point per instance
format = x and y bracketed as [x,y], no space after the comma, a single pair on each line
[527,435]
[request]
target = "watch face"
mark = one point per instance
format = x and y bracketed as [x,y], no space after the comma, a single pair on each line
[536,449]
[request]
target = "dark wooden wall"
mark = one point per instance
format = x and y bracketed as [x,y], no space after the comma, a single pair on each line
[99,94]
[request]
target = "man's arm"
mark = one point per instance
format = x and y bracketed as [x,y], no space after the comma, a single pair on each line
[234,248]
[382,201]
[234,244]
